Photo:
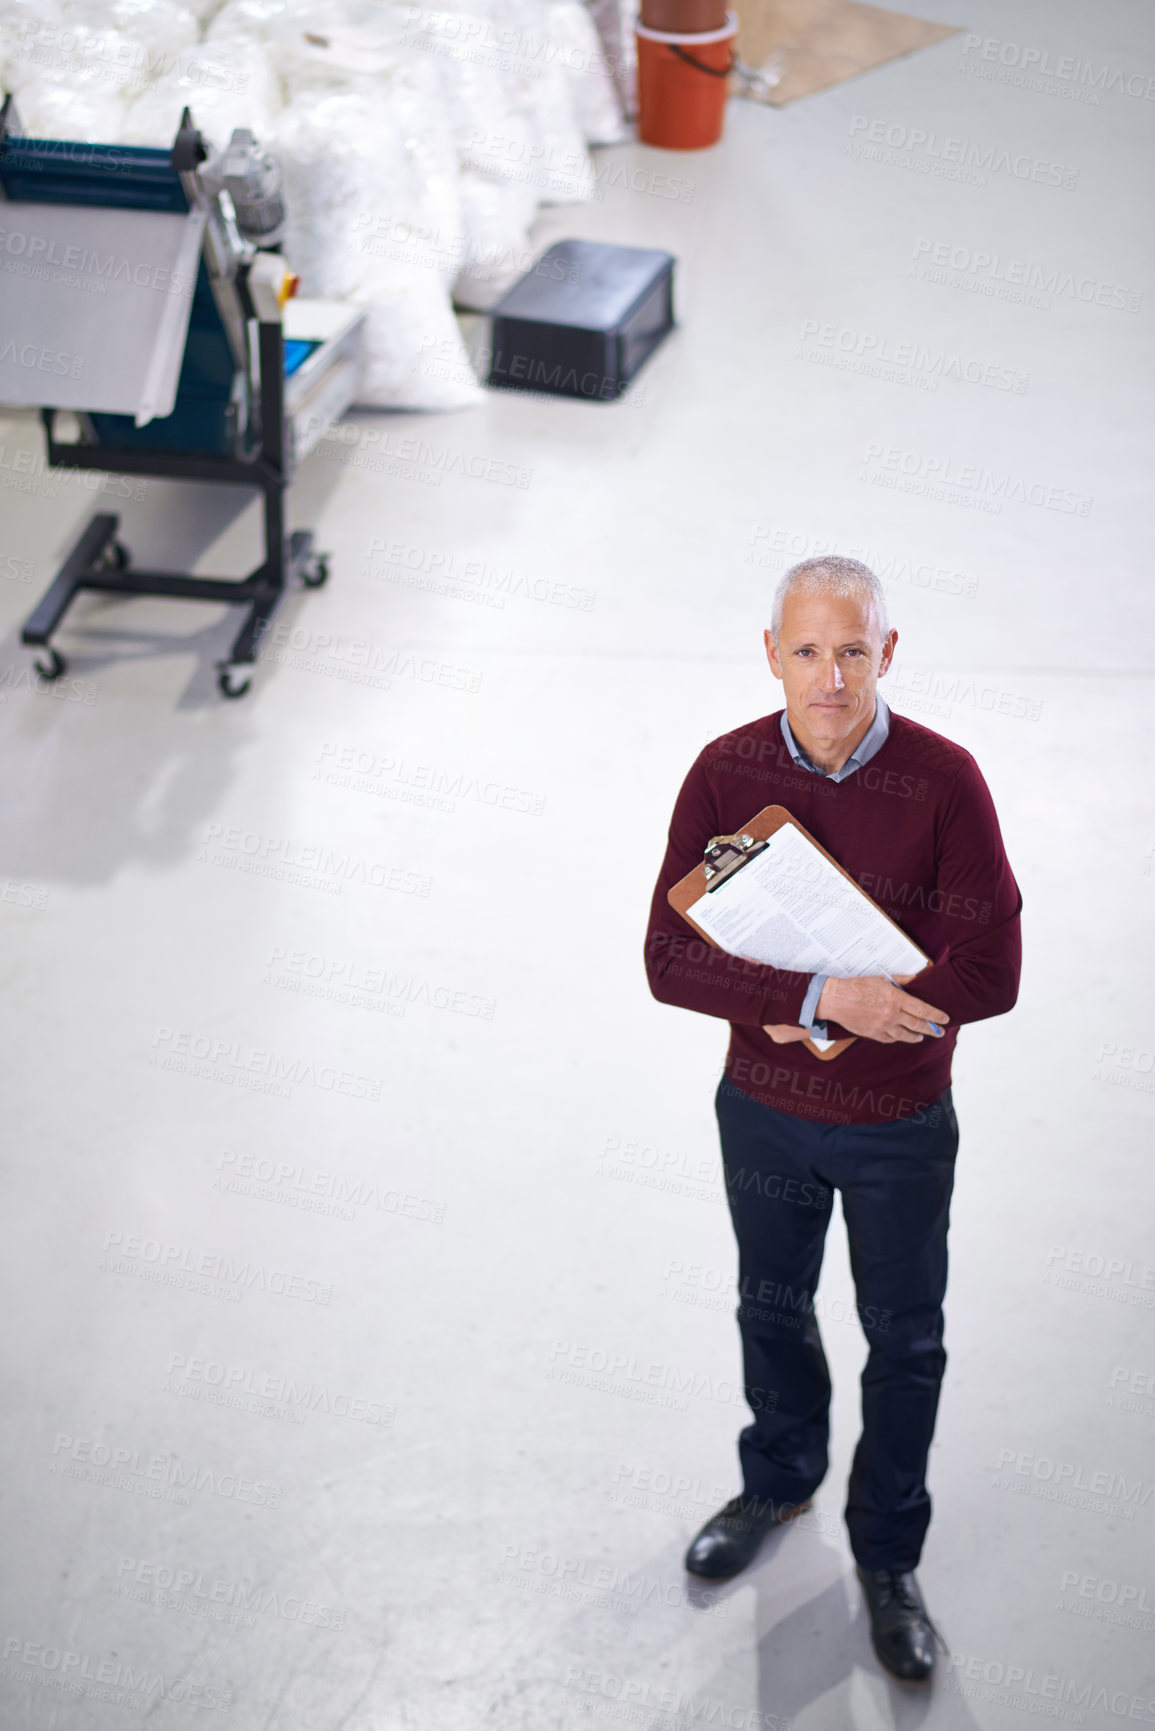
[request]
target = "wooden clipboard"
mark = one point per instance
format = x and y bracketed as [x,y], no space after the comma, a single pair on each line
[727,854]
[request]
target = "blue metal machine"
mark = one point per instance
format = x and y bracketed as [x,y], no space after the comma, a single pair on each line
[241,402]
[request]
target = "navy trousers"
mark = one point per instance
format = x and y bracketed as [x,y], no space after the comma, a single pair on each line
[895,1181]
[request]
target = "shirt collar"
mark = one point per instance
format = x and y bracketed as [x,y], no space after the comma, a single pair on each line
[872,741]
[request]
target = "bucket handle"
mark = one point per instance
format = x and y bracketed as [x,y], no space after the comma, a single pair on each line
[700,65]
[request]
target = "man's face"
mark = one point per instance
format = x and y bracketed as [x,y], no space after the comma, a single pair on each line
[829,656]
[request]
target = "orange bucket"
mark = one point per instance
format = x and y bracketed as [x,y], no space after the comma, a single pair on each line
[683,83]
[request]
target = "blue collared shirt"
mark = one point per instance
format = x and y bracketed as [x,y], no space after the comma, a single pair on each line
[872,740]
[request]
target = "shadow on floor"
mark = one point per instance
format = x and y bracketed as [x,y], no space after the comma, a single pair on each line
[90,784]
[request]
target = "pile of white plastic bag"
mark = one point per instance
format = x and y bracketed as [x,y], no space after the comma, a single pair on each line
[416,142]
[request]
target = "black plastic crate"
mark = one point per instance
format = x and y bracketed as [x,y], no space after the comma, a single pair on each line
[583,320]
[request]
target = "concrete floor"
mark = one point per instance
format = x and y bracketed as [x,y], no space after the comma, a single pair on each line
[363,1221]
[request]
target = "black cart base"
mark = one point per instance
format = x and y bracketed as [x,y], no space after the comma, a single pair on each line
[100,561]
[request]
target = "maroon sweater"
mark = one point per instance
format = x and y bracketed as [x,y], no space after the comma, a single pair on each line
[915,827]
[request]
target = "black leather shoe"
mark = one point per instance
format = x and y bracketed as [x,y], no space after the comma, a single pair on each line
[730,1539]
[901,1631]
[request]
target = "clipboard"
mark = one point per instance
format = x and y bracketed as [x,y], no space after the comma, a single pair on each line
[725,855]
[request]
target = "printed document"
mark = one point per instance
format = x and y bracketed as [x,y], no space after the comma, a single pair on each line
[791,908]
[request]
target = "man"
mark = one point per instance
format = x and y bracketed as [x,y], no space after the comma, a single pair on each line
[907,814]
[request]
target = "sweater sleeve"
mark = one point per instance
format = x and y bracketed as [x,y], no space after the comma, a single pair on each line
[682,968]
[978,904]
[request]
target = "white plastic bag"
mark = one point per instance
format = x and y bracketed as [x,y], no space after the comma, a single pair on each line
[508,94]
[163,27]
[120,45]
[497,251]
[560,167]
[359,230]
[614,22]
[72,80]
[245,20]
[582,58]
[88,60]
[339,155]
[490,133]
[224,84]
[21,18]
[90,113]
[414,355]
[332,46]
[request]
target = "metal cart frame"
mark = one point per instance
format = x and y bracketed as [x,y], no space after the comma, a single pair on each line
[99,560]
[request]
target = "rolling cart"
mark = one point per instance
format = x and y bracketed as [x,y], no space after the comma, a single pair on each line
[188,356]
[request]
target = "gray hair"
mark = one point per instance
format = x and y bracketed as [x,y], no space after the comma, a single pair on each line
[830,574]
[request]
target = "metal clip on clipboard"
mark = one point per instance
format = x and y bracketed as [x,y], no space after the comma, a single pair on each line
[723,857]
[726,854]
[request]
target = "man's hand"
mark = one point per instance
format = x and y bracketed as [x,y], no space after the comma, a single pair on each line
[783,1032]
[878,1010]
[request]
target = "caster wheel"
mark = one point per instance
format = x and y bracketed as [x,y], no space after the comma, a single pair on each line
[115,557]
[229,685]
[54,667]
[316,572]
